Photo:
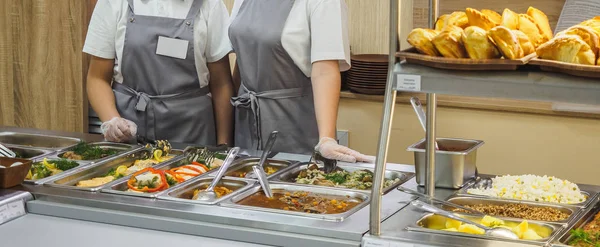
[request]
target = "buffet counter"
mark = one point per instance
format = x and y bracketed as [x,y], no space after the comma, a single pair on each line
[97,215]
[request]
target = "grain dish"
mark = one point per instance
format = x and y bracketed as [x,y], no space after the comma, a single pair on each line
[520,211]
[532,188]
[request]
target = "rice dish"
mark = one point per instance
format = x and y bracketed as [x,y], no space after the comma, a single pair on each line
[532,188]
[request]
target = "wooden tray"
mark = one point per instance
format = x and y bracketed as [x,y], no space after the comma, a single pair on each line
[412,56]
[590,71]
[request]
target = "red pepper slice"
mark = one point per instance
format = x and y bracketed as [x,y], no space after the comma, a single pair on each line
[202,165]
[174,175]
[163,179]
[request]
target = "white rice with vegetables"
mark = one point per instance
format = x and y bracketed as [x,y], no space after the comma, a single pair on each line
[532,188]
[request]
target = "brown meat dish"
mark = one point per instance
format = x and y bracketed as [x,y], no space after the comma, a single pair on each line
[520,211]
[301,201]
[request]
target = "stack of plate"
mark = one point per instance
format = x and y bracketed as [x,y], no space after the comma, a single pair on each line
[368,74]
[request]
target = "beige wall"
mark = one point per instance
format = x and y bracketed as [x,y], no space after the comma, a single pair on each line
[515,143]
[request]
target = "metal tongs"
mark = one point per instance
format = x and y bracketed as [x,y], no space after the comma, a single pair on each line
[163,145]
[6,152]
[433,199]
[199,155]
[328,164]
[418,107]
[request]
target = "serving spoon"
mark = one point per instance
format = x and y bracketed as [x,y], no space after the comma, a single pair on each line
[209,194]
[418,107]
[493,232]
[265,154]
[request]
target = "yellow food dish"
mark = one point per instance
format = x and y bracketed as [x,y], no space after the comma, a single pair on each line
[524,230]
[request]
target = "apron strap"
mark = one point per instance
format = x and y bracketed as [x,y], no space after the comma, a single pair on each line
[250,100]
[143,99]
[131,9]
[194,9]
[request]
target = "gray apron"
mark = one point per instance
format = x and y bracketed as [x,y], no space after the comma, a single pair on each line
[162,94]
[275,94]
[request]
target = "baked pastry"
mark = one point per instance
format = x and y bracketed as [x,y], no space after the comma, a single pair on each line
[494,16]
[449,44]
[541,20]
[457,18]
[524,42]
[510,19]
[587,34]
[593,23]
[478,45]
[476,18]
[528,26]
[507,42]
[441,21]
[421,39]
[567,48]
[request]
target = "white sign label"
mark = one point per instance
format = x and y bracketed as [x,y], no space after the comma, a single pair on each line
[11,211]
[376,243]
[176,48]
[408,83]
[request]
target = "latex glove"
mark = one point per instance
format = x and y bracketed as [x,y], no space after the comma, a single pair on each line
[330,149]
[118,130]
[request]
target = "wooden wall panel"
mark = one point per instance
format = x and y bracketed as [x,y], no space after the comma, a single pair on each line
[41,64]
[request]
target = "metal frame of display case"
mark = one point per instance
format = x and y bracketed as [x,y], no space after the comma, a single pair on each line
[524,85]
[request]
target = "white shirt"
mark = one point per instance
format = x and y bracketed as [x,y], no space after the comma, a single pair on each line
[106,32]
[315,30]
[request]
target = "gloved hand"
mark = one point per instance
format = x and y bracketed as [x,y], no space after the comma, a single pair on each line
[330,149]
[118,130]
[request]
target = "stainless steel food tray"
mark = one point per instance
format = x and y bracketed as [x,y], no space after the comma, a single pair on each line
[572,211]
[109,145]
[486,181]
[184,193]
[245,165]
[37,140]
[290,175]
[582,220]
[321,191]
[81,165]
[29,152]
[120,186]
[554,229]
[70,180]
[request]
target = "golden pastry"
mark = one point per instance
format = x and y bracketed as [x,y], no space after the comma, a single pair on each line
[593,23]
[528,26]
[542,22]
[494,16]
[478,45]
[567,48]
[587,34]
[441,21]
[479,19]
[449,44]
[510,19]
[524,42]
[421,39]
[507,42]
[459,19]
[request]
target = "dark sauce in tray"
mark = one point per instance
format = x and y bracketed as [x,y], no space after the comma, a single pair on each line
[302,201]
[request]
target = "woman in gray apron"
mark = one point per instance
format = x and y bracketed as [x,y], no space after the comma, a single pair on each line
[278,94]
[163,54]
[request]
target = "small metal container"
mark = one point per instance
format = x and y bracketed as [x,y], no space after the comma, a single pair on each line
[484,182]
[46,179]
[586,217]
[185,192]
[290,175]
[29,153]
[70,180]
[319,191]
[454,167]
[37,140]
[244,166]
[463,200]
[431,223]
[120,147]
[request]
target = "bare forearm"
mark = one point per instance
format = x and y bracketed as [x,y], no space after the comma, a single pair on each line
[99,89]
[326,82]
[221,88]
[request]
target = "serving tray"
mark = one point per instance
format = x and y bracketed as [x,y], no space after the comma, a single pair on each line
[589,71]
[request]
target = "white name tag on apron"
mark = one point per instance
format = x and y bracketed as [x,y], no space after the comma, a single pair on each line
[170,47]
